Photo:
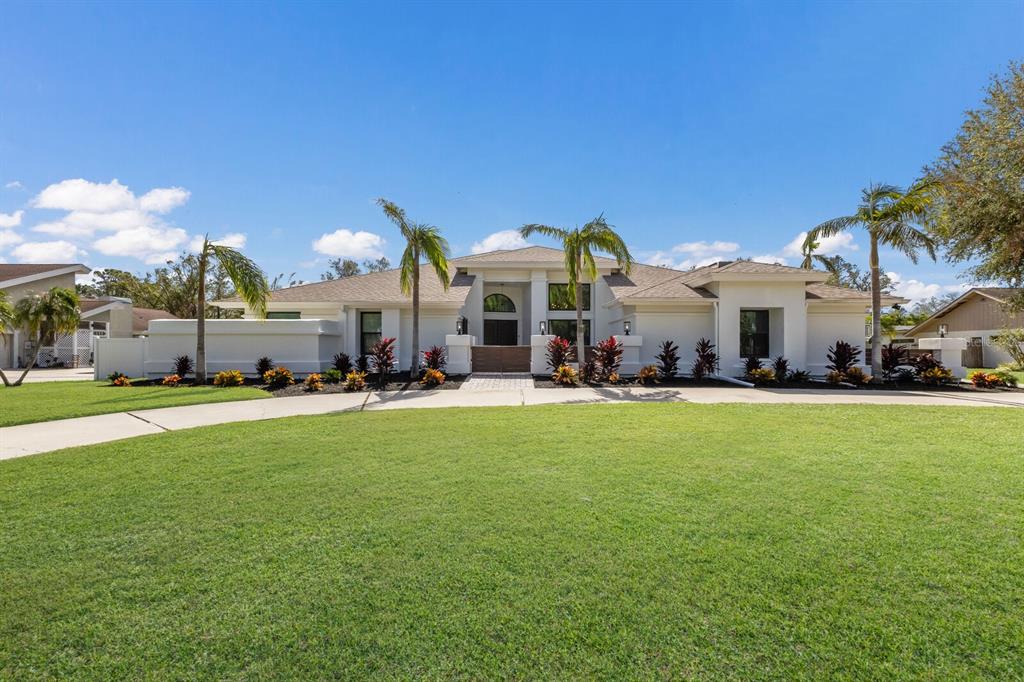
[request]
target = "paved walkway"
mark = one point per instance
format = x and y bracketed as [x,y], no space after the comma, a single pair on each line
[28,439]
[37,376]
[508,381]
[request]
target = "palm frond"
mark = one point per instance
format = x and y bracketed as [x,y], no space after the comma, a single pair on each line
[395,214]
[6,313]
[435,249]
[249,280]
[554,232]
[407,268]
[829,228]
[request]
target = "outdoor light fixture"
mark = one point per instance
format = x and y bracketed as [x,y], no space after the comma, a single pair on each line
[458,326]
[625,327]
[543,328]
[942,330]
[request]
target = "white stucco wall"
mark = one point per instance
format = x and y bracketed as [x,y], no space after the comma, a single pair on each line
[788,300]
[826,325]
[684,326]
[992,355]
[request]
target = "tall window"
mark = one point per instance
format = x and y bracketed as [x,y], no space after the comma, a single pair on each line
[754,334]
[567,330]
[559,298]
[284,315]
[499,303]
[370,328]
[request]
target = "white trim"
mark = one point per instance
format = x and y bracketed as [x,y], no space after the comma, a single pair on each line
[77,268]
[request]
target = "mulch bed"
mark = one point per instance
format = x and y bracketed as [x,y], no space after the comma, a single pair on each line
[892,386]
[397,382]
[544,381]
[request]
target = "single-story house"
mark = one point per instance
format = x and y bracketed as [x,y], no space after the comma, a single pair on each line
[500,301]
[119,316]
[20,279]
[977,315]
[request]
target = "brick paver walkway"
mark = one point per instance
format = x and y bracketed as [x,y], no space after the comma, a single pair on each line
[511,381]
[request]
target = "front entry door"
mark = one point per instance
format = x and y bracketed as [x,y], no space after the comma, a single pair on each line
[501,332]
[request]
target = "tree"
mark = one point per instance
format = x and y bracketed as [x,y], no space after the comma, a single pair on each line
[890,215]
[980,217]
[379,265]
[283,281]
[930,306]
[579,245]
[247,279]
[43,316]
[6,324]
[421,241]
[339,268]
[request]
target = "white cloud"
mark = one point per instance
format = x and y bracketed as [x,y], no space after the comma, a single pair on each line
[916,290]
[696,254]
[150,244]
[60,251]
[769,258]
[827,246]
[235,240]
[14,184]
[162,200]
[499,241]
[704,249]
[348,244]
[9,238]
[82,195]
[11,219]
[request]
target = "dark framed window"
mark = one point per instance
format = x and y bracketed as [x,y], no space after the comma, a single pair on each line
[370,330]
[754,334]
[567,330]
[499,303]
[284,315]
[560,299]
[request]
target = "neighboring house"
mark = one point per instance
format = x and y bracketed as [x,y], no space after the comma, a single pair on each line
[119,317]
[502,298]
[18,280]
[977,316]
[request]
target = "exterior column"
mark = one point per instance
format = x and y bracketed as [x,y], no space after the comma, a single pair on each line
[538,301]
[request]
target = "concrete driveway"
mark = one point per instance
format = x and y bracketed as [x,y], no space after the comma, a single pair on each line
[37,376]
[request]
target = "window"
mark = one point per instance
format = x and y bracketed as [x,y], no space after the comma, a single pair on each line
[499,303]
[567,330]
[370,328]
[754,334]
[289,315]
[560,299]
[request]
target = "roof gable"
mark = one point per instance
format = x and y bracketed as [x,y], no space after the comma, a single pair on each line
[12,274]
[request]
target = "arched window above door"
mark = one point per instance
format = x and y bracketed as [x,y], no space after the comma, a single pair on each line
[499,303]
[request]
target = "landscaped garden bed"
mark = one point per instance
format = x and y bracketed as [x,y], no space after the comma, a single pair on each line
[399,381]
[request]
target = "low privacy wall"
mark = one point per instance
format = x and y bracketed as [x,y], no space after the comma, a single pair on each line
[302,346]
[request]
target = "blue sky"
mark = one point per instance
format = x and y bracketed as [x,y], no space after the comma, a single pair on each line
[700,130]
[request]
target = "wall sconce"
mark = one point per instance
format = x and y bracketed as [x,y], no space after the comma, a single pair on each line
[625,327]
[943,329]
[543,328]
[458,326]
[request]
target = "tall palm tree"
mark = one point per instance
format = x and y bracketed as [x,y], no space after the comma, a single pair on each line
[44,316]
[891,216]
[6,324]
[421,241]
[249,280]
[579,245]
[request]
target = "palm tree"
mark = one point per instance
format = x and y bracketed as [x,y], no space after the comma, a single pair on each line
[421,241]
[891,216]
[579,245]
[6,324]
[248,279]
[44,316]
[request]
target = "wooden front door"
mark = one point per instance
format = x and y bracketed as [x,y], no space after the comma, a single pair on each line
[501,332]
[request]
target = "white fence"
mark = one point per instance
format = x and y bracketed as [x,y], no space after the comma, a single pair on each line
[302,346]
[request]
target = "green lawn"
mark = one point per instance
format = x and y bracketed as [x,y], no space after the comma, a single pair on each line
[629,541]
[62,399]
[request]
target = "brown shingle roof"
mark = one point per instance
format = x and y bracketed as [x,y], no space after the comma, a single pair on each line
[527,254]
[999,293]
[827,292]
[16,270]
[142,316]
[380,287]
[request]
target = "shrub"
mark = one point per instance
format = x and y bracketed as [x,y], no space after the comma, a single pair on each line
[264,365]
[314,382]
[355,380]
[332,375]
[229,377]
[834,377]
[707,359]
[904,375]
[588,371]
[122,381]
[842,356]
[1012,342]
[171,380]
[893,357]
[382,358]
[607,357]
[183,366]
[432,377]
[762,375]
[560,353]
[114,376]
[647,374]
[983,379]
[799,376]
[1005,375]
[925,362]
[751,366]
[781,367]
[342,362]
[435,357]
[936,376]
[668,360]
[856,376]
[362,364]
[565,375]
[278,377]
[614,378]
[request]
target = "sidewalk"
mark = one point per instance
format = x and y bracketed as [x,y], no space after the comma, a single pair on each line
[28,439]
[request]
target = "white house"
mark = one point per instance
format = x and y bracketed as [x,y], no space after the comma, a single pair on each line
[499,303]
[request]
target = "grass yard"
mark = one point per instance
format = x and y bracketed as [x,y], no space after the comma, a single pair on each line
[628,541]
[63,399]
